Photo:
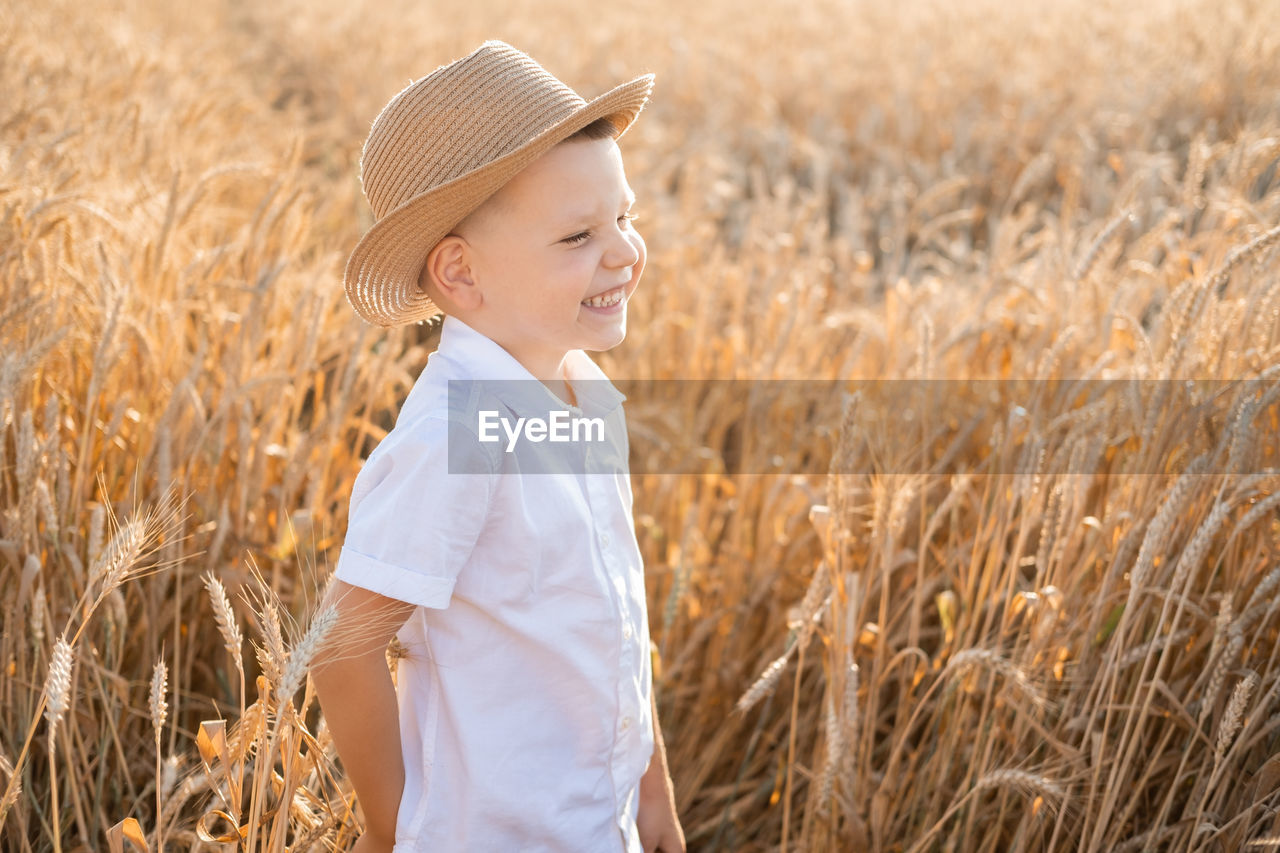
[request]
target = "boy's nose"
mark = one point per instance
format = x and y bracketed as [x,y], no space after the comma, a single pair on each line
[626,251]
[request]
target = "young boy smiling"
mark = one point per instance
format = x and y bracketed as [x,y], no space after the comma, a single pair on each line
[522,715]
[547,266]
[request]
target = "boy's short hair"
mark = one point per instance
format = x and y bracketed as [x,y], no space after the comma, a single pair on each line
[601,128]
[450,141]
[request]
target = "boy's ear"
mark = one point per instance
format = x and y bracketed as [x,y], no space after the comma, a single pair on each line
[447,276]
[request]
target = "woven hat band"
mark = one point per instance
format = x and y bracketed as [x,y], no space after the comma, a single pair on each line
[457,119]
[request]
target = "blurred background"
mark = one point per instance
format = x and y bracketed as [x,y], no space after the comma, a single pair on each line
[1082,658]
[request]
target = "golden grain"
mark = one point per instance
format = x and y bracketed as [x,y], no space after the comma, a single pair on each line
[300,657]
[1239,255]
[1230,654]
[1234,716]
[1191,557]
[272,656]
[172,233]
[1123,219]
[1156,539]
[57,689]
[225,617]
[1013,675]
[1139,653]
[1258,603]
[158,706]
[1025,782]
[120,556]
[764,685]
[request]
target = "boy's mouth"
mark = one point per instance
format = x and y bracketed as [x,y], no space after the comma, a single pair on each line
[607,299]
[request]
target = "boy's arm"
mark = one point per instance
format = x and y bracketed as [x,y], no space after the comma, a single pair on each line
[657,823]
[356,693]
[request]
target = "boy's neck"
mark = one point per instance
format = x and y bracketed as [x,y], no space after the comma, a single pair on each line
[558,383]
[550,368]
[552,371]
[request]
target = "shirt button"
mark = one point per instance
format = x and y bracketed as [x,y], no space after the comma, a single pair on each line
[626,632]
[626,723]
[604,539]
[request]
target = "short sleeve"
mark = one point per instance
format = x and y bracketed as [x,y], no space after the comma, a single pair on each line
[412,523]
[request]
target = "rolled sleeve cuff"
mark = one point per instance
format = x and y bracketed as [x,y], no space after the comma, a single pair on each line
[392,581]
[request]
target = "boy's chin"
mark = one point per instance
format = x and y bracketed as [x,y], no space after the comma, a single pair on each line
[607,342]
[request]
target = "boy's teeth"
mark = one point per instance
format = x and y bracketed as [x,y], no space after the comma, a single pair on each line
[604,300]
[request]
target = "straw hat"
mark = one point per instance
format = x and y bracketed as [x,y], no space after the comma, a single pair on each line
[445,144]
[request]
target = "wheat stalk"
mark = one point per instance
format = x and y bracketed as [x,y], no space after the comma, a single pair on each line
[57,700]
[7,802]
[120,556]
[1021,781]
[1234,716]
[57,688]
[840,732]
[1024,782]
[1140,653]
[1195,551]
[1240,254]
[1259,600]
[299,662]
[989,660]
[38,606]
[272,657]
[97,531]
[1158,532]
[1121,220]
[1257,512]
[158,706]
[159,713]
[765,684]
[224,615]
[1235,642]
[47,512]
[834,750]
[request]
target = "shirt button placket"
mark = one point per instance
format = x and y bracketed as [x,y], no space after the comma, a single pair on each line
[621,611]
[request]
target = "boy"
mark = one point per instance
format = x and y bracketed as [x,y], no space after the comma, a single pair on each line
[522,715]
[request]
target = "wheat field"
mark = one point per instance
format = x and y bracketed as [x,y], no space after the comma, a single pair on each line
[917,650]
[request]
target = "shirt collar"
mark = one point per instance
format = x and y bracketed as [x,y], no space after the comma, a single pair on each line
[472,355]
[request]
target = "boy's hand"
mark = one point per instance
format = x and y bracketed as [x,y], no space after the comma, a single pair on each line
[657,823]
[359,702]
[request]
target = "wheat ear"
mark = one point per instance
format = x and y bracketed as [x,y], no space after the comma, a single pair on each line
[159,713]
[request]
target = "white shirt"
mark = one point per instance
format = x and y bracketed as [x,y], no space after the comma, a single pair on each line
[524,699]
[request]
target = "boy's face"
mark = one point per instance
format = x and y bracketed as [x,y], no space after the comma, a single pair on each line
[557,237]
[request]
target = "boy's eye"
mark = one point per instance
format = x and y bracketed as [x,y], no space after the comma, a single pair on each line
[582,236]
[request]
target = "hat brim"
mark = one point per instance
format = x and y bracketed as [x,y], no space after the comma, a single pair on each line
[381,277]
